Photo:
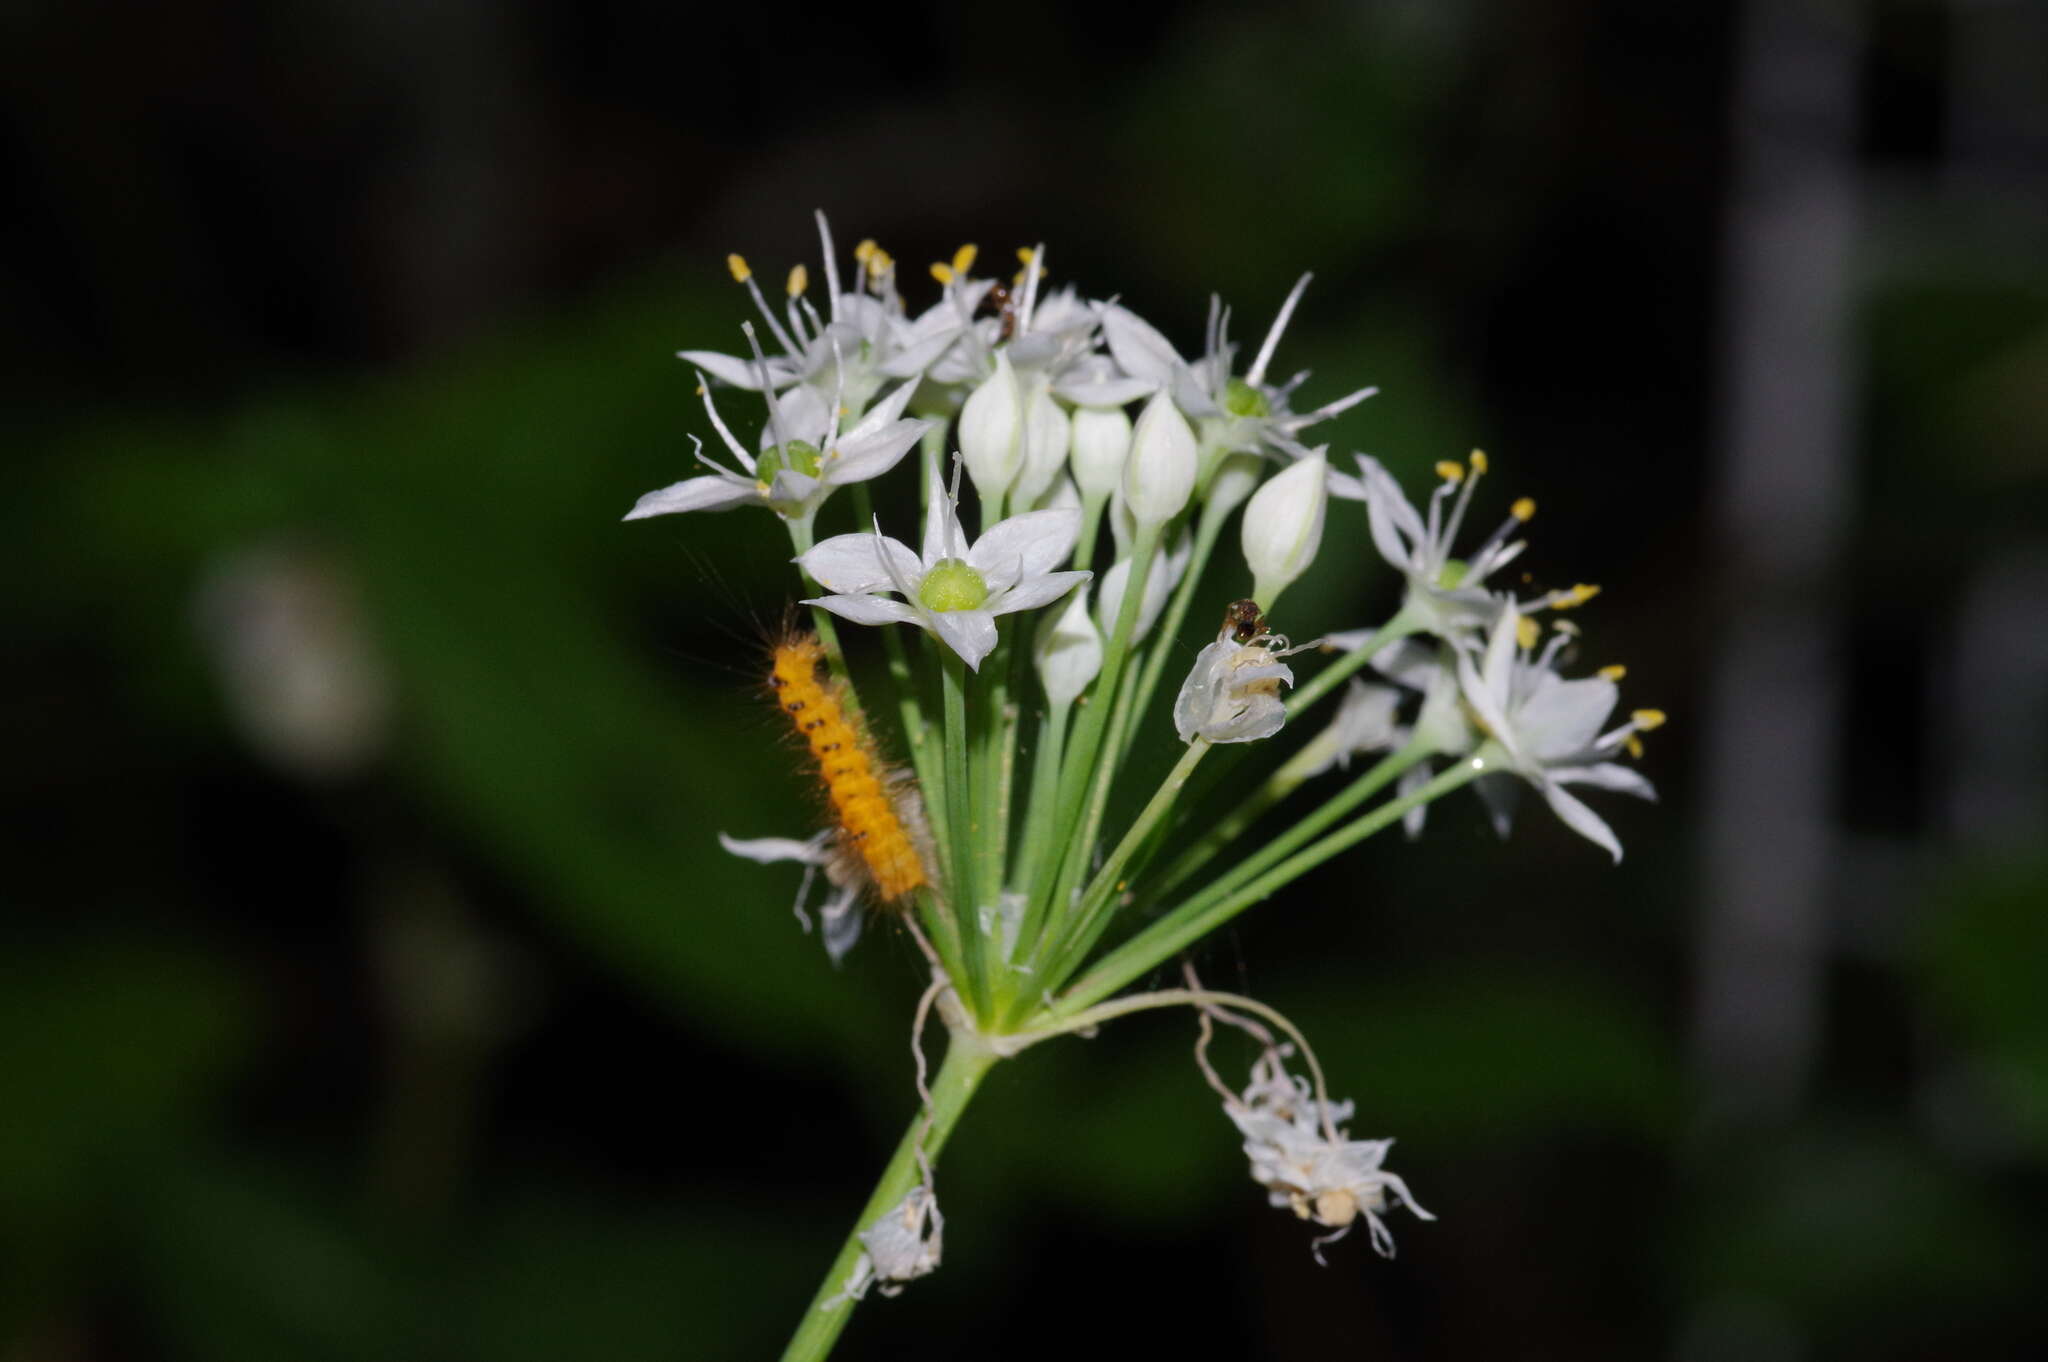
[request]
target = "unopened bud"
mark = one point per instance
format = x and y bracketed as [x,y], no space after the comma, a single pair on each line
[1045,448]
[1068,650]
[1101,441]
[1161,472]
[1283,526]
[992,431]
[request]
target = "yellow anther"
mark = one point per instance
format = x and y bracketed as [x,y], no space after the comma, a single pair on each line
[1017,279]
[1577,596]
[963,259]
[1613,672]
[1450,470]
[1526,631]
[1523,509]
[942,272]
[737,263]
[866,248]
[880,262]
[1566,627]
[700,390]
[1478,462]
[1633,746]
[799,280]
[1647,719]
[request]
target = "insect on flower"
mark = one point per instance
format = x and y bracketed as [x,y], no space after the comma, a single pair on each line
[878,830]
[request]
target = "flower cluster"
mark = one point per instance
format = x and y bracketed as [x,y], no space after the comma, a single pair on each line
[1057,417]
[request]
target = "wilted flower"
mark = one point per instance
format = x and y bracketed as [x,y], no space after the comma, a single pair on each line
[1232,693]
[1301,1154]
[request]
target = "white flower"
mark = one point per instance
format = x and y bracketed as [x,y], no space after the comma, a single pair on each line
[1301,1154]
[953,593]
[1445,596]
[1283,526]
[1232,693]
[808,456]
[1549,727]
[1247,415]
[1068,651]
[901,1246]
[867,341]
[841,912]
[1366,721]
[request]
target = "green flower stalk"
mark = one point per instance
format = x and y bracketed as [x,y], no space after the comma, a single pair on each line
[1034,902]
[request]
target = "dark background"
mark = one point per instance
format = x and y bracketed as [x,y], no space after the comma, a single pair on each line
[371,983]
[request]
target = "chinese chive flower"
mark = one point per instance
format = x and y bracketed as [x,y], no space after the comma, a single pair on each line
[951,589]
[1057,866]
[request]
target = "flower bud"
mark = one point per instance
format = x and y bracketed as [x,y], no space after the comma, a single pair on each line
[1101,441]
[992,430]
[1283,526]
[1045,449]
[1068,651]
[1160,474]
[1234,479]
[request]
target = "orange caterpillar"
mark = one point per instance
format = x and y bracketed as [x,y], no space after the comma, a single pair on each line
[870,824]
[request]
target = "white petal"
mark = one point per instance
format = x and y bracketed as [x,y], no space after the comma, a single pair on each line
[1484,702]
[695,494]
[842,917]
[867,609]
[970,633]
[1563,717]
[1397,530]
[1139,348]
[740,373]
[803,413]
[1096,391]
[767,850]
[856,459]
[1026,546]
[1033,592]
[1581,819]
[884,413]
[1606,775]
[854,563]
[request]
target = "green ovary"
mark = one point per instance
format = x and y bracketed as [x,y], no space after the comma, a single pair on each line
[952,584]
[1242,399]
[798,456]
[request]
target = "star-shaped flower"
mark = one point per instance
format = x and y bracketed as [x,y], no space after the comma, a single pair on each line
[1246,415]
[1549,727]
[951,589]
[806,457]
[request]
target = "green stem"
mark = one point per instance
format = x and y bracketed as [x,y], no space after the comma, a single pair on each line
[1097,901]
[1079,764]
[961,882]
[967,1061]
[1207,911]
[1324,681]
[1167,630]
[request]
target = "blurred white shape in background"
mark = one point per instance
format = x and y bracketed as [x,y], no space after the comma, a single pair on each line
[284,627]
